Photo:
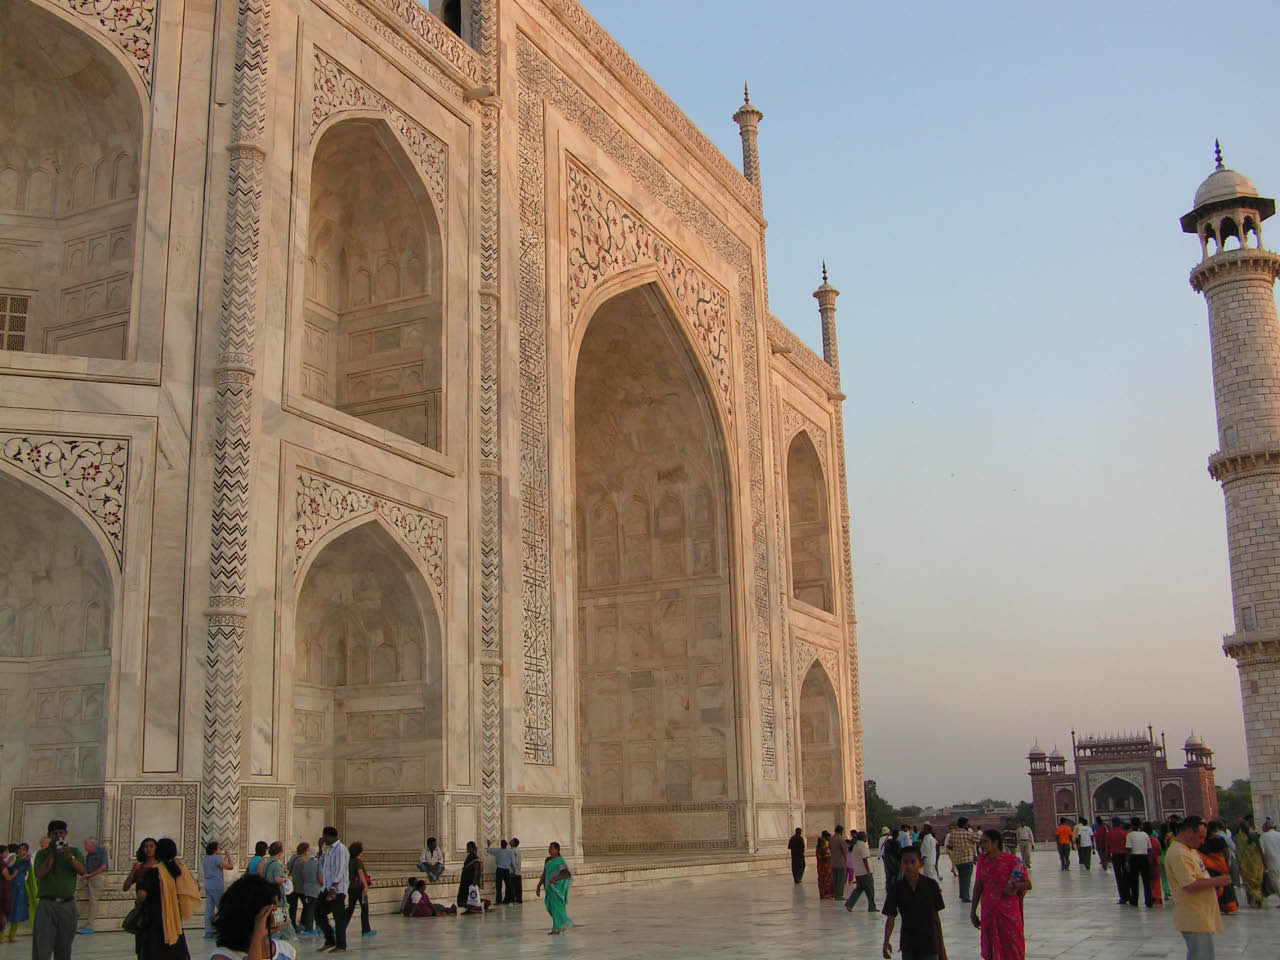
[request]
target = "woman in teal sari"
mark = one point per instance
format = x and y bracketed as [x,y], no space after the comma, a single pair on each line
[557,879]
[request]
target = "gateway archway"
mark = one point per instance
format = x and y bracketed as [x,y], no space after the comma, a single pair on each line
[655,639]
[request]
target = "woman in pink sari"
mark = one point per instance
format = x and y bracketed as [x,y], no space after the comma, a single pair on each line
[1002,880]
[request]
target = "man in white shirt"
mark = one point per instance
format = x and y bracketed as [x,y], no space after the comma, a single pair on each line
[1026,843]
[860,863]
[1084,843]
[1270,843]
[336,876]
[1136,845]
[432,861]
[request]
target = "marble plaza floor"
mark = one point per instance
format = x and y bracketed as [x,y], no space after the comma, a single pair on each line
[1072,916]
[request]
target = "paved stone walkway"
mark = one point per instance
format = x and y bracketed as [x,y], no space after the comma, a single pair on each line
[1070,916]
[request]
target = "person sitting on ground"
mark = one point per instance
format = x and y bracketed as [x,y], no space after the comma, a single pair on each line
[420,904]
[432,860]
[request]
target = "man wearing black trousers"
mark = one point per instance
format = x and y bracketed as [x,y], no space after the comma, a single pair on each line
[796,846]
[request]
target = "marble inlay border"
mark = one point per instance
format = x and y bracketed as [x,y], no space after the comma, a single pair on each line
[188,793]
[322,502]
[248,793]
[90,471]
[22,796]
[335,88]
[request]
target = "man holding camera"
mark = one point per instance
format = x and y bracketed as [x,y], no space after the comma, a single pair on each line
[57,868]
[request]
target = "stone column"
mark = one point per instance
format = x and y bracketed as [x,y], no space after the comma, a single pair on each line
[233,431]
[826,297]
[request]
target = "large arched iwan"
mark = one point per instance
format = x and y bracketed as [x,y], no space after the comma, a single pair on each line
[658,745]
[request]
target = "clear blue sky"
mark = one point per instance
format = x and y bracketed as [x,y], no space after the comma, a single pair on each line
[996,189]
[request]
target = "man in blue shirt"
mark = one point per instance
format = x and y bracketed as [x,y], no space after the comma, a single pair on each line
[96,865]
[503,862]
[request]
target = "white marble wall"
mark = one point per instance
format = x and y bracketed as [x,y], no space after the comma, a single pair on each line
[460,479]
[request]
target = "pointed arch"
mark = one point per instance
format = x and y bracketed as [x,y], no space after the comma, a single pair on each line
[809,527]
[655,645]
[371,344]
[821,747]
[59,617]
[368,641]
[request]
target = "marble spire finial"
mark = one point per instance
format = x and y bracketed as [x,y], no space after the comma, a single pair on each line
[824,271]
[1217,153]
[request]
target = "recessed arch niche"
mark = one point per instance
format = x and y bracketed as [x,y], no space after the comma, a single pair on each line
[57,606]
[821,755]
[807,513]
[367,677]
[373,316]
[655,638]
[71,128]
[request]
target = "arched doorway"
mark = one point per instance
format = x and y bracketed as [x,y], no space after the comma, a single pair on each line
[821,758]
[810,531]
[56,609]
[1118,797]
[70,138]
[655,639]
[368,715]
[372,345]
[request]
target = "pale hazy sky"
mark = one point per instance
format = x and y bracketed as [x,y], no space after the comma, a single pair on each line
[996,189]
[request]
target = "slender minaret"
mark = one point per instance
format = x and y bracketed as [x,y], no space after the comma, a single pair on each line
[826,297]
[1238,284]
[748,120]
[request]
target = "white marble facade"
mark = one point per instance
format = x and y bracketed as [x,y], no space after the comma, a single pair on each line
[394,433]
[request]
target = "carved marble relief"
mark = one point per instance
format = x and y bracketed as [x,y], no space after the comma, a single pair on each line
[606,237]
[793,421]
[336,89]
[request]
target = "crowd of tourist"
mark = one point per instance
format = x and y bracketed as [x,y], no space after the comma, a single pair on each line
[1203,869]
[1198,867]
[314,891]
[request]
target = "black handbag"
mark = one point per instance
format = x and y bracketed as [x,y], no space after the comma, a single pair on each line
[135,921]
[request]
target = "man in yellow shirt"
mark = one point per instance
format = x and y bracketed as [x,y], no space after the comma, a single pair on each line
[1195,898]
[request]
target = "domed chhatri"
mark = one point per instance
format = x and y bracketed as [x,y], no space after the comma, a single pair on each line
[1224,202]
[1193,742]
[1036,751]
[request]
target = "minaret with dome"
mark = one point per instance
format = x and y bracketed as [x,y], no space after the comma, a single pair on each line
[1237,277]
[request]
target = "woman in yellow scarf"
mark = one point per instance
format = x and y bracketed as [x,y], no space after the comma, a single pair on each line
[168,895]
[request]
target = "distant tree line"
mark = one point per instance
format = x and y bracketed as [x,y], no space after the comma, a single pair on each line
[881,813]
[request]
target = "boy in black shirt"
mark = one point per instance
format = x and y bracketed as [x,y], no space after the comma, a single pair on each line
[918,899]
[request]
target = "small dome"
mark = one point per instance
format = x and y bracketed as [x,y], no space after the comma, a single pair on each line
[1193,742]
[1036,751]
[1224,184]
[1056,754]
